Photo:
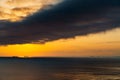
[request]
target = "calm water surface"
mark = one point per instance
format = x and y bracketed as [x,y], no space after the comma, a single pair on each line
[60,69]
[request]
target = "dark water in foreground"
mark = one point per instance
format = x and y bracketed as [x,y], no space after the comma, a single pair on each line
[60,69]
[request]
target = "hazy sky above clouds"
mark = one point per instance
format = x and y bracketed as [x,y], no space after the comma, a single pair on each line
[71,28]
[14,10]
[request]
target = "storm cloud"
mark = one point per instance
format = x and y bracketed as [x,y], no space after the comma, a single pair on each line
[66,20]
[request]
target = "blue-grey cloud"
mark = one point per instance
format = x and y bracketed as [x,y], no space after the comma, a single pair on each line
[68,19]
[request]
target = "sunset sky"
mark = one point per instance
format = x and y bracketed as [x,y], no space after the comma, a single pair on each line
[59,28]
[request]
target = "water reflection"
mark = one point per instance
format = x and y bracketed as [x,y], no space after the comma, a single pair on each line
[59,69]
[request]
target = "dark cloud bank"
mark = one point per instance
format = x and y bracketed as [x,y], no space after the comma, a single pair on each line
[66,20]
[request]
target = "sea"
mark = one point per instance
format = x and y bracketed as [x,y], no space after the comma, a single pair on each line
[59,68]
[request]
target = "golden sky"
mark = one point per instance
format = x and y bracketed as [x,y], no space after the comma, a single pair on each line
[15,10]
[100,44]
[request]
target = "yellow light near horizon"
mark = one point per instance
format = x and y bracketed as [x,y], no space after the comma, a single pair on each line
[22,50]
[101,44]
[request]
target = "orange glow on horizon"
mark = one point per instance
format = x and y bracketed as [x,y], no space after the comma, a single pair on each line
[101,44]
